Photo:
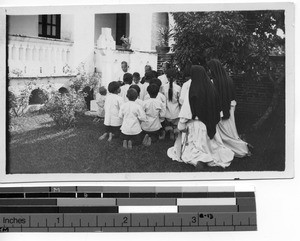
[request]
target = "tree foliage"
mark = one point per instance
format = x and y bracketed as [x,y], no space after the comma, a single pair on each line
[243,40]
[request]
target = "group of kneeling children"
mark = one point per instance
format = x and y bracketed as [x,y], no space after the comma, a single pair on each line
[140,113]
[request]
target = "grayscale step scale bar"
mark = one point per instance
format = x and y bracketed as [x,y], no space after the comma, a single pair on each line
[127,209]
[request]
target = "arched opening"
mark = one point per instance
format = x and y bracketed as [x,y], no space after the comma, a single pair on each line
[37,96]
[63,90]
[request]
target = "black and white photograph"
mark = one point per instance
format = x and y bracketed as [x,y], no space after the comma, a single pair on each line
[148,92]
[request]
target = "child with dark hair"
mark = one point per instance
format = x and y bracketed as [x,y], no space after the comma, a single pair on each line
[161,97]
[113,102]
[165,67]
[131,113]
[127,79]
[145,82]
[172,93]
[88,96]
[137,80]
[148,74]
[154,109]
[100,100]
[138,90]
[155,74]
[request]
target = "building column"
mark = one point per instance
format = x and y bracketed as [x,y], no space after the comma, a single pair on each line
[140,30]
[84,28]
[104,55]
[171,25]
[159,20]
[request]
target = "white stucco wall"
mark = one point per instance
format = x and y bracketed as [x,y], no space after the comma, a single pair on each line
[27,25]
[16,85]
[84,26]
[140,30]
[24,25]
[105,21]
[67,27]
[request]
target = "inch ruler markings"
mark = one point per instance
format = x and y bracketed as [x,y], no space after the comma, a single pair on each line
[127,209]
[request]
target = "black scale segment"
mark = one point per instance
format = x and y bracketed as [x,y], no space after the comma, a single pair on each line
[194,195]
[220,194]
[142,195]
[169,194]
[36,195]
[60,194]
[116,195]
[11,195]
[104,209]
[28,209]
[245,194]
[89,195]
[28,202]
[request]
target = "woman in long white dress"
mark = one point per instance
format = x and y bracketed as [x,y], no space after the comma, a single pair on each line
[226,127]
[199,142]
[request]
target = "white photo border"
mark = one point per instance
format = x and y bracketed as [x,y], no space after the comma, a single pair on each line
[131,177]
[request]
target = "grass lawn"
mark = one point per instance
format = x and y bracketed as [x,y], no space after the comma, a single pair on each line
[37,146]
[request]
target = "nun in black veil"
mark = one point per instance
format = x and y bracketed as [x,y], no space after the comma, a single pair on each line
[226,127]
[199,143]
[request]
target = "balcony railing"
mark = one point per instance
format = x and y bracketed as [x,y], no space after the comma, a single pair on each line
[38,57]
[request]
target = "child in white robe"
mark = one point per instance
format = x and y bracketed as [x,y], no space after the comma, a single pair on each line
[127,79]
[161,97]
[112,106]
[132,114]
[154,109]
[138,90]
[100,100]
[172,93]
[163,78]
[143,87]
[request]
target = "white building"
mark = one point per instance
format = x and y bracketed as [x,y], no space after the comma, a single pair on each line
[50,47]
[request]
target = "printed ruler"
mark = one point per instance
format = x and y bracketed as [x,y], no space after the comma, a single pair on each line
[127,209]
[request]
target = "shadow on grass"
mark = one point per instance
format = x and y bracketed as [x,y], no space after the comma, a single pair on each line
[48,149]
[77,150]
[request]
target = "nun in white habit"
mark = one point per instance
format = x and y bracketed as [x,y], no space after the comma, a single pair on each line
[199,143]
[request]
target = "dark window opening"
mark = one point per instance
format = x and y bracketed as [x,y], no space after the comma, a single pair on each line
[49,26]
[63,90]
[121,28]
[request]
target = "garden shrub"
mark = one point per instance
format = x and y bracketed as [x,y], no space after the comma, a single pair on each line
[65,109]
[66,106]
[84,79]
[18,103]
